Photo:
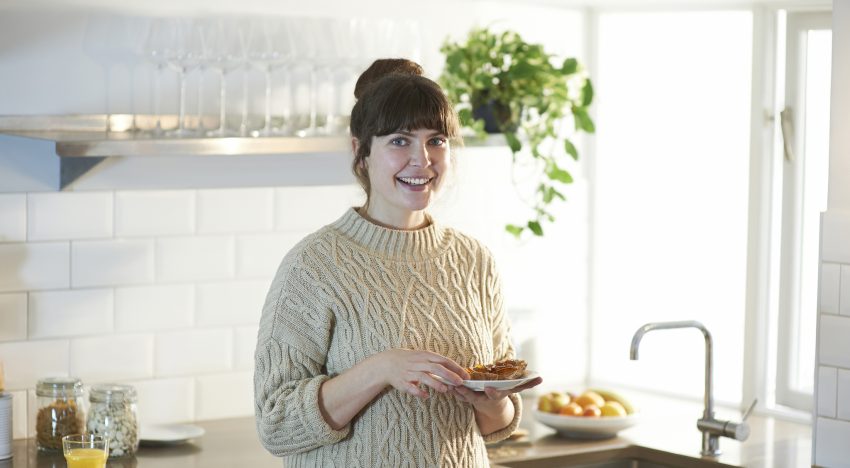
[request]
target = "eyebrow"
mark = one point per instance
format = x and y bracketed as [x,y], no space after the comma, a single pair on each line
[409,133]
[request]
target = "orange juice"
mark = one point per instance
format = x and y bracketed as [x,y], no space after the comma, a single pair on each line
[86,458]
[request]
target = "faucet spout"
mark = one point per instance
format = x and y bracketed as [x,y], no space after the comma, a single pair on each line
[709,443]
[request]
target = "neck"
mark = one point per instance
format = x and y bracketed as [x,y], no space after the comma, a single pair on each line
[409,221]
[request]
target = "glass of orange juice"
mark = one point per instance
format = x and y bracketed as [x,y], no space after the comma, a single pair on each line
[85,450]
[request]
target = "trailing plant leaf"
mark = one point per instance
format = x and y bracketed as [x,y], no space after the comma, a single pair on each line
[529,94]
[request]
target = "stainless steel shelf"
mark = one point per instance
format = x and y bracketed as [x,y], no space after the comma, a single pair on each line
[83,144]
[82,141]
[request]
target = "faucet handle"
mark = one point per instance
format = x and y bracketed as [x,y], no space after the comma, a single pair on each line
[750,409]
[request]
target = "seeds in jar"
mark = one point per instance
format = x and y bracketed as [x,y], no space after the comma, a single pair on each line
[118,422]
[56,420]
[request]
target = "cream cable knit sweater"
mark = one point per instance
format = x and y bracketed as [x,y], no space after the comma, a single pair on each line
[353,289]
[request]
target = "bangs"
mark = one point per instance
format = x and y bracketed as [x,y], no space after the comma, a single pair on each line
[412,109]
[405,103]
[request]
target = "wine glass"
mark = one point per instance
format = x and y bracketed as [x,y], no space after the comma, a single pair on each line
[223,51]
[270,46]
[183,54]
[159,39]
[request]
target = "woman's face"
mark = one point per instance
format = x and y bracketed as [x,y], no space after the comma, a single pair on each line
[406,170]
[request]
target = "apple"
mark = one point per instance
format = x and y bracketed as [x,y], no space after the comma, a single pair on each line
[571,409]
[591,411]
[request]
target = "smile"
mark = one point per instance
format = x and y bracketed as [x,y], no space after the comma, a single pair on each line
[415,180]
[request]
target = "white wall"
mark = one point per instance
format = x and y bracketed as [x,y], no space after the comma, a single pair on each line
[162,288]
[832,383]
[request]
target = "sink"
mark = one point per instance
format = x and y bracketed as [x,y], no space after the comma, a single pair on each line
[627,457]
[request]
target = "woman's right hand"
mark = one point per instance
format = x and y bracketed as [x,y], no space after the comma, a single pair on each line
[406,369]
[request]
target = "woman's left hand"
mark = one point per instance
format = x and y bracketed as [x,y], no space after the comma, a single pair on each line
[490,396]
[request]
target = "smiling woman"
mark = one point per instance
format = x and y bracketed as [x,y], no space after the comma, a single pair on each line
[371,321]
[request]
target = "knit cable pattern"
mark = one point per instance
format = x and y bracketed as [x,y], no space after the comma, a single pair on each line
[354,289]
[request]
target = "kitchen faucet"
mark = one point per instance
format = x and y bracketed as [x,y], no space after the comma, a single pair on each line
[710,427]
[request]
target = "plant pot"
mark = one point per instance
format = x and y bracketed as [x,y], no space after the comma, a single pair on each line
[496,116]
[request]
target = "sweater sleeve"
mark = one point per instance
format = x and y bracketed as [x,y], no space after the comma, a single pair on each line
[502,345]
[292,346]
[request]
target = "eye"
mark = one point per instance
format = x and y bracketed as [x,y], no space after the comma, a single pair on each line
[437,141]
[399,141]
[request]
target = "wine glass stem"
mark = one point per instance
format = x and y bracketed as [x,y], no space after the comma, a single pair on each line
[267,128]
[313,98]
[222,97]
[181,112]
[243,126]
[157,95]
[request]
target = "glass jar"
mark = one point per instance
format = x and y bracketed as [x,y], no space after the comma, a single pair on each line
[59,411]
[113,414]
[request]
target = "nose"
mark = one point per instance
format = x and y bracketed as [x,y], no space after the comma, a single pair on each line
[419,156]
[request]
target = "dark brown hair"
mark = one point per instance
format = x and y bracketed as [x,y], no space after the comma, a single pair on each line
[393,95]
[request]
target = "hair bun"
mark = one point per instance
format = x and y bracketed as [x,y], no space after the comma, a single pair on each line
[384,67]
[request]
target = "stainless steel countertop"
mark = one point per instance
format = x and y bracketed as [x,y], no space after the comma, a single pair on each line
[666,425]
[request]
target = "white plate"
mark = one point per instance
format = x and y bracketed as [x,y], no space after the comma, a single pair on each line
[169,434]
[587,428]
[480,385]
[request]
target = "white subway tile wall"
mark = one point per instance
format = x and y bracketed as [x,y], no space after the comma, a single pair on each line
[827,378]
[13,217]
[832,399]
[66,216]
[214,395]
[111,262]
[155,213]
[13,316]
[34,266]
[71,312]
[235,210]
[159,289]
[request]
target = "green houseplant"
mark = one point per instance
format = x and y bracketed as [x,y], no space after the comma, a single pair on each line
[502,84]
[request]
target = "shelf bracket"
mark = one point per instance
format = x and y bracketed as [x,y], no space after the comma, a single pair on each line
[72,168]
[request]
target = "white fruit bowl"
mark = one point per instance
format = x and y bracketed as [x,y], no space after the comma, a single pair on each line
[579,427]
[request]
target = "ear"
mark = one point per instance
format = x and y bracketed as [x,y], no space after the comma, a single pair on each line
[355,143]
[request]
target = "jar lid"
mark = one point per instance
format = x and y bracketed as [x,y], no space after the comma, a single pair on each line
[112,393]
[59,387]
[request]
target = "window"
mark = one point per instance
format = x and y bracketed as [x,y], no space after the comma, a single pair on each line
[804,156]
[669,197]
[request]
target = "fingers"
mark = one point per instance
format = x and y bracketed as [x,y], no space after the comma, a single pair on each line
[440,371]
[447,363]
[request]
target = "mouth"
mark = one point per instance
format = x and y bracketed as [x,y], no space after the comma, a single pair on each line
[415,181]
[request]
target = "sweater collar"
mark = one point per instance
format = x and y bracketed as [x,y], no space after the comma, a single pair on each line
[417,244]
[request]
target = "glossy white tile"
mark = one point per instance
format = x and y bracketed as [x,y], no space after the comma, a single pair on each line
[326,204]
[830,279]
[13,316]
[112,262]
[157,307]
[20,418]
[13,217]
[28,361]
[844,295]
[259,256]
[72,312]
[154,213]
[827,388]
[834,346]
[835,230]
[194,258]
[231,303]
[35,266]
[112,357]
[224,396]
[235,210]
[843,395]
[69,215]
[193,352]
[244,345]
[164,401]
[831,447]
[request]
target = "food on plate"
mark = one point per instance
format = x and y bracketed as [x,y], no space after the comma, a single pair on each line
[507,369]
[592,403]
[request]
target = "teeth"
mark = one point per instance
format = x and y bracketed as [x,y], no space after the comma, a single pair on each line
[414,180]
